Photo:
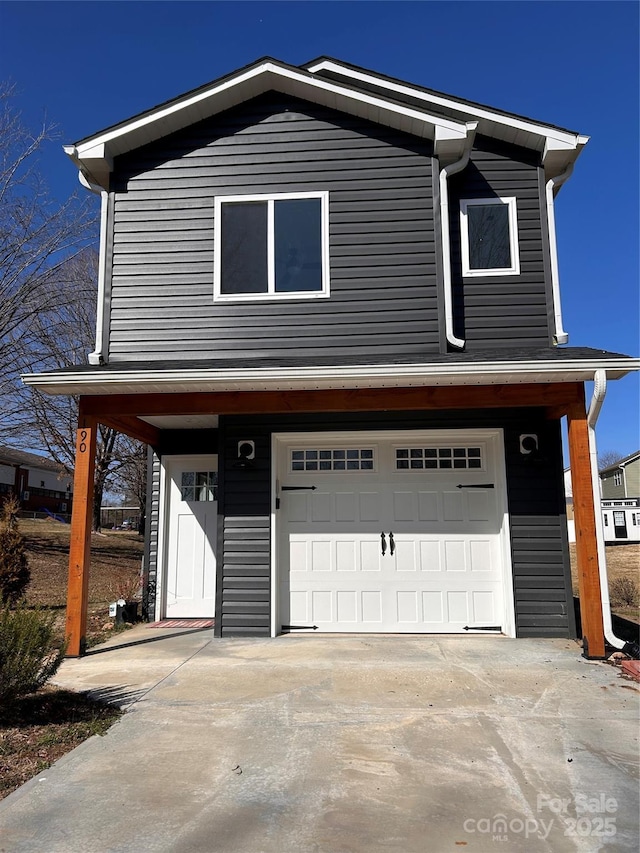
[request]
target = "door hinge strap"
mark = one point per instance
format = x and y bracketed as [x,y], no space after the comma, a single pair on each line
[299,627]
[483,628]
[475,486]
[298,488]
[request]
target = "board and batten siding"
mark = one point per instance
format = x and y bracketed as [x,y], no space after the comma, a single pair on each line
[539,544]
[502,310]
[382,244]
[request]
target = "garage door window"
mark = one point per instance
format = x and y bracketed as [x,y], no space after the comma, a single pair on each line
[333,459]
[437,458]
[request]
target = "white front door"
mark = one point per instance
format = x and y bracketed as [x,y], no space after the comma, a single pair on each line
[192,507]
[399,534]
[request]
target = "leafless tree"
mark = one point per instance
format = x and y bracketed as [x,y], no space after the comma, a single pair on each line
[61,337]
[37,234]
[607,458]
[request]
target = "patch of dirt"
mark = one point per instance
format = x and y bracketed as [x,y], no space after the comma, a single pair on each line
[41,728]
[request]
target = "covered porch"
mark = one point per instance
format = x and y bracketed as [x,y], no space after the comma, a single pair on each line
[141,415]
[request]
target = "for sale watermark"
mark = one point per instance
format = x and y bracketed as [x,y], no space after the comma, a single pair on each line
[581,815]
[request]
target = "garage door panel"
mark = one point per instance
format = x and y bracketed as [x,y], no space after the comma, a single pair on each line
[443,573]
[346,506]
[455,556]
[429,550]
[481,557]
[321,556]
[453,506]
[428,506]
[346,555]
[322,507]
[404,506]
[479,506]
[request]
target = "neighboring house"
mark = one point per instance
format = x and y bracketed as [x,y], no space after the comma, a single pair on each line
[622,479]
[329,302]
[621,520]
[40,484]
[620,487]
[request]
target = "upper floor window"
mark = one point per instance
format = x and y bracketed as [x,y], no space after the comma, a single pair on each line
[617,478]
[271,246]
[489,236]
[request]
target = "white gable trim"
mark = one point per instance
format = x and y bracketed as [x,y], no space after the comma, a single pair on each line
[557,138]
[98,151]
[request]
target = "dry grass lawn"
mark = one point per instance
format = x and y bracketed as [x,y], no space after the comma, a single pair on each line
[623,561]
[116,559]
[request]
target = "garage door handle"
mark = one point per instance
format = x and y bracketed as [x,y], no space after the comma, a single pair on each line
[384,543]
[392,544]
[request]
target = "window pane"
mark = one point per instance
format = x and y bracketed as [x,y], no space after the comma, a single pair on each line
[298,244]
[489,236]
[243,259]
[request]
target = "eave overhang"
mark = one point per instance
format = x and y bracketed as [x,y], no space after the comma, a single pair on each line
[101,382]
[559,147]
[94,155]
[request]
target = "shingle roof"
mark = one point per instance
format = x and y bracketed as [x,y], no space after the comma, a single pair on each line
[11,456]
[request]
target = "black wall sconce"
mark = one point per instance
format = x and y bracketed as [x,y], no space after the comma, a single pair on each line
[528,444]
[246,454]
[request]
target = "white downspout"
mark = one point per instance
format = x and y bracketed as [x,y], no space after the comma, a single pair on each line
[451,169]
[560,337]
[97,356]
[599,392]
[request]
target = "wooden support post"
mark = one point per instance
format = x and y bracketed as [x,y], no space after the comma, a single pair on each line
[80,544]
[585,521]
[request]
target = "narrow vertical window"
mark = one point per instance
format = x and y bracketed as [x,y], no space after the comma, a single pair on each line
[489,237]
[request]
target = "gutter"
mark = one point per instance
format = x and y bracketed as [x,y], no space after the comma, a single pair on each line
[560,337]
[599,393]
[445,173]
[97,356]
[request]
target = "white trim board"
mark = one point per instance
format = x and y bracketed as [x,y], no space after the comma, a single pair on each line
[98,381]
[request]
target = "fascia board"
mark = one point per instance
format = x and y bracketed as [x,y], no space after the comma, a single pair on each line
[570,140]
[87,147]
[287,378]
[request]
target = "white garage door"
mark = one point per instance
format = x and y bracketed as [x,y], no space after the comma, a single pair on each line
[399,534]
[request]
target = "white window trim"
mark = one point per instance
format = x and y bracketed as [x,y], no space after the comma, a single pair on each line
[270,198]
[514,269]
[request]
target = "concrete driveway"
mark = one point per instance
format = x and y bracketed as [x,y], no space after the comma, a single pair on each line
[341,744]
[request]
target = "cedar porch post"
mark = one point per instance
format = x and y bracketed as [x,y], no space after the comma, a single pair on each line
[80,544]
[585,521]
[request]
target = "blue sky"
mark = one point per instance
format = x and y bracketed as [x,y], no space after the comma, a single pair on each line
[90,64]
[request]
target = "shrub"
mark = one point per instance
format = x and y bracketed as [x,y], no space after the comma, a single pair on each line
[623,592]
[29,654]
[14,568]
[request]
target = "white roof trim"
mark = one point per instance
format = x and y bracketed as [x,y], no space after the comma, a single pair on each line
[560,138]
[91,147]
[314,378]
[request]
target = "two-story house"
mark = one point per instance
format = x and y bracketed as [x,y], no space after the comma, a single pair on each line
[329,302]
[622,479]
[620,489]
